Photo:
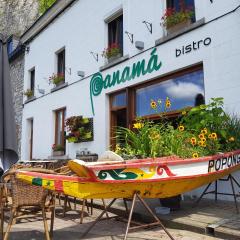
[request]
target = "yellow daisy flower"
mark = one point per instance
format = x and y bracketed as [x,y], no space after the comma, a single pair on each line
[204,131]
[231,139]
[195,155]
[184,113]
[201,136]
[138,125]
[214,136]
[153,104]
[181,128]
[193,141]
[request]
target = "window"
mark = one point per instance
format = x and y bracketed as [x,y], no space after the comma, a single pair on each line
[184,89]
[60,127]
[61,62]
[32,80]
[179,4]
[10,46]
[181,90]
[115,32]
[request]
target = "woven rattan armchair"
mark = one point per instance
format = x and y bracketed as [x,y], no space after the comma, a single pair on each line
[25,196]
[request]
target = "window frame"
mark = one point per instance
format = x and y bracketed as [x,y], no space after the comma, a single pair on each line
[131,98]
[60,52]
[63,112]
[111,20]
[32,79]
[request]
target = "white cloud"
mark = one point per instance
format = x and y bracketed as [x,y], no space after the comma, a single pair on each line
[183,90]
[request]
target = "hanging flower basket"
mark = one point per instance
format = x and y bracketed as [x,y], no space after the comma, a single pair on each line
[79,129]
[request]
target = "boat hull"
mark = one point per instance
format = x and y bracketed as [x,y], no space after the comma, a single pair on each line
[83,188]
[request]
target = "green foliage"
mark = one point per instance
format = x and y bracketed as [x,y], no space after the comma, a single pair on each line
[203,130]
[44,5]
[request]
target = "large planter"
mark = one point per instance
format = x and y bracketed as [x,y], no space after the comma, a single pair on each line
[58,153]
[179,26]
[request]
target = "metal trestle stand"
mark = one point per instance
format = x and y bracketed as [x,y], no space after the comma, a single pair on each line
[135,197]
[216,193]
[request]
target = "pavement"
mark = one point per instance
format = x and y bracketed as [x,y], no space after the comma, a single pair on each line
[69,228]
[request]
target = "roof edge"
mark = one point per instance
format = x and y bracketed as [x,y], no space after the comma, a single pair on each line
[43,21]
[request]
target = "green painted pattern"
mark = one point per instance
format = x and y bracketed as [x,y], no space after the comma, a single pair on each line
[141,68]
[37,181]
[117,174]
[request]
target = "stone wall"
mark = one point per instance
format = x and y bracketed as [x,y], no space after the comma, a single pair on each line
[16,16]
[17,76]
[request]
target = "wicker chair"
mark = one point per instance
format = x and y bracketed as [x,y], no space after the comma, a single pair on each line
[25,196]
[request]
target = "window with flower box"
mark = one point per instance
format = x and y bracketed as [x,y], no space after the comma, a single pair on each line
[115,38]
[167,95]
[61,65]
[178,14]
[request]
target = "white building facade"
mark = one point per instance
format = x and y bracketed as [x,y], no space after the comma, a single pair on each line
[202,58]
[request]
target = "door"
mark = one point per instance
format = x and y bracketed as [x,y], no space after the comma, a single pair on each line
[31,140]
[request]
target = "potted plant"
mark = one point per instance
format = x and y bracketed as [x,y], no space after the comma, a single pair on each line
[28,93]
[174,20]
[57,79]
[200,131]
[58,150]
[112,52]
[80,129]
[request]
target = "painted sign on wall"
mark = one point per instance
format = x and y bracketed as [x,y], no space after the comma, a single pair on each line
[140,68]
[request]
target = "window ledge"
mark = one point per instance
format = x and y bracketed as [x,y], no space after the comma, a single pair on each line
[115,62]
[63,157]
[182,31]
[59,87]
[30,99]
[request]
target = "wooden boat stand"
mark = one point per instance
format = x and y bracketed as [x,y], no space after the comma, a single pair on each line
[216,193]
[135,197]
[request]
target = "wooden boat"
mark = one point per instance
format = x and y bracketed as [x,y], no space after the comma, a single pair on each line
[151,178]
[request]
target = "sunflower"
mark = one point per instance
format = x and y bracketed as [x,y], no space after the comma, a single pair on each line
[181,128]
[193,141]
[202,144]
[153,104]
[195,155]
[203,139]
[210,136]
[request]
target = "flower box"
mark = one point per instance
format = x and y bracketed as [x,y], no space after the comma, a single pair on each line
[179,26]
[58,153]
[113,58]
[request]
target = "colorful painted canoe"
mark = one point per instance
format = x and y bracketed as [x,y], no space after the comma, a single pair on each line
[152,178]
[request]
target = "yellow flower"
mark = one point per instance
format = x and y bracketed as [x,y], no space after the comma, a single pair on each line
[138,125]
[201,136]
[184,113]
[204,131]
[154,135]
[181,128]
[231,139]
[167,103]
[195,155]
[214,136]
[203,139]
[202,144]
[153,104]
[193,141]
